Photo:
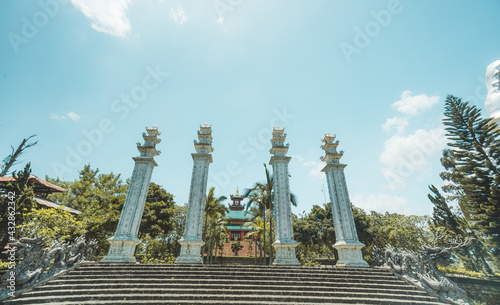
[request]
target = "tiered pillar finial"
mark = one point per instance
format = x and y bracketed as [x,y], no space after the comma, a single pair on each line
[492,102]
[192,242]
[125,240]
[347,243]
[284,243]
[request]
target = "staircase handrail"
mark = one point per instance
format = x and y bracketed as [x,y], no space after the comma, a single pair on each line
[39,264]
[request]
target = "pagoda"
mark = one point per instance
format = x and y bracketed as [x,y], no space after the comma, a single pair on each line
[41,189]
[237,217]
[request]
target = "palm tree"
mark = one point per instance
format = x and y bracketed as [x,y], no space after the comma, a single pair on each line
[262,195]
[219,235]
[257,228]
[214,209]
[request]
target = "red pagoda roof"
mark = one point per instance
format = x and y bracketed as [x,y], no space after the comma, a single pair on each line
[40,186]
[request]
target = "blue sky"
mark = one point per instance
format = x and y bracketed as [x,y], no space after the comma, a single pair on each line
[375,73]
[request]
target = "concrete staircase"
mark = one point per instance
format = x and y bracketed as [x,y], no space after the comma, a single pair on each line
[210,284]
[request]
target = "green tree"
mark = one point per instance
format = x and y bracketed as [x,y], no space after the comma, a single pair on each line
[214,211]
[256,225]
[219,234]
[472,171]
[401,231]
[316,233]
[236,246]
[100,198]
[445,221]
[11,159]
[157,224]
[20,191]
[158,212]
[261,195]
[53,225]
[179,222]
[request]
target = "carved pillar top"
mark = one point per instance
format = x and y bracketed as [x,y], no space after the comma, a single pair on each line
[492,102]
[330,148]
[204,143]
[148,149]
[279,148]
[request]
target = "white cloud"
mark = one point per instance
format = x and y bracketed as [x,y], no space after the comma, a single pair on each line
[315,168]
[109,16]
[397,123]
[381,203]
[57,117]
[414,104]
[72,115]
[404,155]
[298,157]
[75,117]
[178,15]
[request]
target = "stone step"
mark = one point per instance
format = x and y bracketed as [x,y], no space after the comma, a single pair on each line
[226,298]
[235,271]
[225,273]
[84,284]
[322,290]
[215,277]
[181,284]
[193,280]
[229,268]
[222,291]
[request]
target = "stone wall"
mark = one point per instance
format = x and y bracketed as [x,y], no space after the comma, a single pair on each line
[484,291]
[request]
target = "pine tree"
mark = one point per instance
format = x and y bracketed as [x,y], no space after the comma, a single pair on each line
[473,256]
[472,173]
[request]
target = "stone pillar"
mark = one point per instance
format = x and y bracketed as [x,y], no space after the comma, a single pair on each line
[125,240]
[191,242]
[347,244]
[492,102]
[284,243]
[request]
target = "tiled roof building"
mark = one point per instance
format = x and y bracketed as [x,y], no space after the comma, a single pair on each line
[42,189]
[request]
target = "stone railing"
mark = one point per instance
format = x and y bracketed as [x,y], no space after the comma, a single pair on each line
[39,264]
[486,291]
[420,269]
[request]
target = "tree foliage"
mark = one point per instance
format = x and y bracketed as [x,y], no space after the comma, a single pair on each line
[12,158]
[472,178]
[53,225]
[316,233]
[158,213]
[23,198]
[261,197]
[215,228]
[100,197]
